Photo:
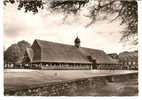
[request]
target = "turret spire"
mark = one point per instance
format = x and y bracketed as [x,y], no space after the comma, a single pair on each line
[77,42]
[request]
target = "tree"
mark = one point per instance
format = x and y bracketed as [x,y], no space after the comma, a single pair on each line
[12,54]
[23,45]
[15,53]
[125,10]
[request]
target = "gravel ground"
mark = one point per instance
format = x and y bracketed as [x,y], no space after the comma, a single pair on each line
[16,78]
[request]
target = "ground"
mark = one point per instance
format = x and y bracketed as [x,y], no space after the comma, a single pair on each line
[128,88]
[32,78]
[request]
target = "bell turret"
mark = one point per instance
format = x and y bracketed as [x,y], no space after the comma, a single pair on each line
[77,42]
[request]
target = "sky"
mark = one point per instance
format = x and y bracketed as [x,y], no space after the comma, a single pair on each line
[103,34]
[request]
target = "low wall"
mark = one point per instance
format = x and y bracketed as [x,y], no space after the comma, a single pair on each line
[71,88]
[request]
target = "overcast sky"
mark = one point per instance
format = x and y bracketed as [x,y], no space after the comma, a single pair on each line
[51,27]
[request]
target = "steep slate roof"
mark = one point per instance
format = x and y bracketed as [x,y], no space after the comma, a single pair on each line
[99,55]
[56,52]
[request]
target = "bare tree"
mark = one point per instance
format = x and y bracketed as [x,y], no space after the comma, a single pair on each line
[125,10]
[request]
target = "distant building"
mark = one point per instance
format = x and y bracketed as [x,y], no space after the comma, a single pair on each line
[127,60]
[114,56]
[51,55]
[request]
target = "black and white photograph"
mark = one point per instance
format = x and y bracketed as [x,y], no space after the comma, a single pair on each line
[70,48]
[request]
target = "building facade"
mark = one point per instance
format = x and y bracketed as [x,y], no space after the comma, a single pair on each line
[127,60]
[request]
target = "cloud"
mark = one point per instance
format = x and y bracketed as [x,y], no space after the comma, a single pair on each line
[51,27]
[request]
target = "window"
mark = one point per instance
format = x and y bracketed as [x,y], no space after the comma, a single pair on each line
[129,63]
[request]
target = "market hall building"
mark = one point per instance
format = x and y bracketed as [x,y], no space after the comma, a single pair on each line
[51,55]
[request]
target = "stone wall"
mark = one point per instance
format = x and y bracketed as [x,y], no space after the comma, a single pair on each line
[71,88]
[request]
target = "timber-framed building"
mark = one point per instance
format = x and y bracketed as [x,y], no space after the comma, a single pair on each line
[51,55]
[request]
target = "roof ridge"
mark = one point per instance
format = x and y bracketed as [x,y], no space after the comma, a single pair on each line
[54,42]
[92,49]
[66,44]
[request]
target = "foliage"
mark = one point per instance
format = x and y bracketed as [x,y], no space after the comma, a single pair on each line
[126,10]
[12,54]
[23,45]
[15,53]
